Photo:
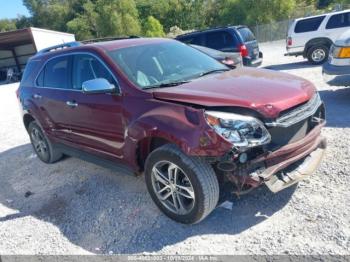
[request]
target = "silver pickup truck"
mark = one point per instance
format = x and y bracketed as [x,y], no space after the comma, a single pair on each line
[336,71]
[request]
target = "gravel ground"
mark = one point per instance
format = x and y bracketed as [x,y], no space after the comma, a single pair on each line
[74,207]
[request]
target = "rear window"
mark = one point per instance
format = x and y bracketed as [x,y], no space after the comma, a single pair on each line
[338,21]
[308,25]
[246,34]
[220,40]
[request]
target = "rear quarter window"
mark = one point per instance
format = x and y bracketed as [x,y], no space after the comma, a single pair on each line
[308,25]
[339,21]
[246,34]
[28,75]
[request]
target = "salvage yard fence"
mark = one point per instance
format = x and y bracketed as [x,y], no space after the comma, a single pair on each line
[271,32]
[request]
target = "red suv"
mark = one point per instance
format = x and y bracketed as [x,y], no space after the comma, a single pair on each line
[162,108]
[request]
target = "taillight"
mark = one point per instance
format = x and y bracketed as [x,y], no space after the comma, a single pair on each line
[244,51]
[289,41]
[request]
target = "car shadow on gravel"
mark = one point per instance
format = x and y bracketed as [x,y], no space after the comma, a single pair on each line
[337,104]
[101,211]
[291,66]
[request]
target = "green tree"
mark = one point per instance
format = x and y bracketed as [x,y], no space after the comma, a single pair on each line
[84,25]
[87,19]
[117,18]
[153,28]
[332,3]
[23,22]
[99,18]
[182,13]
[51,14]
[7,25]
[253,12]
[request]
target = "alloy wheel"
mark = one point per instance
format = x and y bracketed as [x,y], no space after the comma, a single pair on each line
[318,55]
[39,143]
[173,187]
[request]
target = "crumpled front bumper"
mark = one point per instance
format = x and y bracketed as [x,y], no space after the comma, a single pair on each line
[293,162]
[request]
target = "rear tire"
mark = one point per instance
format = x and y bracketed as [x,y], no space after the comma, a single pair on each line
[190,184]
[42,146]
[318,55]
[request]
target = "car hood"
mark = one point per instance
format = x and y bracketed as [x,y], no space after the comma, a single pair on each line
[344,39]
[266,91]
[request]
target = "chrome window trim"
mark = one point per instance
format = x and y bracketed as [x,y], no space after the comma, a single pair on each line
[298,114]
[75,90]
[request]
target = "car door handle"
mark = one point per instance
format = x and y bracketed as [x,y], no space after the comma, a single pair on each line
[72,104]
[37,96]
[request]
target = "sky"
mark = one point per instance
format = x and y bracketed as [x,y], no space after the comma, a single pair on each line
[11,8]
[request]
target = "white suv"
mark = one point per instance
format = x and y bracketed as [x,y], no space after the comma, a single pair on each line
[336,70]
[313,36]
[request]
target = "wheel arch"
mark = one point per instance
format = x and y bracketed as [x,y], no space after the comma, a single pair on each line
[317,41]
[27,119]
[146,146]
[191,135]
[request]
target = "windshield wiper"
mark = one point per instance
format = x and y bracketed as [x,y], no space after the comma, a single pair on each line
[213,71]
[160,85]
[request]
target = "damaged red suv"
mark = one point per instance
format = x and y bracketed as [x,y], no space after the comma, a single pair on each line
[162,108]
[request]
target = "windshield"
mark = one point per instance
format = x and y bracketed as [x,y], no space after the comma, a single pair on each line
[156,65]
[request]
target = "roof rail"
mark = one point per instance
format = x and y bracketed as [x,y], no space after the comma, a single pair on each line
[211,28]
[57,47]
[110,38]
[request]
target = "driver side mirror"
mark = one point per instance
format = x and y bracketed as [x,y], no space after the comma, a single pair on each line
[97,86]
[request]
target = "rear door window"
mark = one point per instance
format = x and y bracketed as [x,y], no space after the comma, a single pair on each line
[220,40]
[87,67]
[308,25]
[339,21]
[56,73]
[246,34]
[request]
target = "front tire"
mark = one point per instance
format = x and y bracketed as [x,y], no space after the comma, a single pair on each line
[42,146]
[185,188]
[318,55]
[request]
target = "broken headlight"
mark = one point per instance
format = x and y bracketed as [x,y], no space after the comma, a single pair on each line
[241,131]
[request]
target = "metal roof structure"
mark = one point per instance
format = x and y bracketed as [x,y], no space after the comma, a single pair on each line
[15,38]
[17,46]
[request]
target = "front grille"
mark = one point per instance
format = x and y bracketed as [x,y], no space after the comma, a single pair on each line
[298,114]
[281,135]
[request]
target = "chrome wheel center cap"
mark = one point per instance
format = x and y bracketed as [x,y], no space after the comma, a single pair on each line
[172,187]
